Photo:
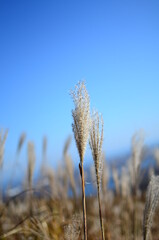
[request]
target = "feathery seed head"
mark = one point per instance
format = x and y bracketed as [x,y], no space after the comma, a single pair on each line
[137,147]
[31,161]
[67,145]
[81,118]
[72,231]
[21,141]
[125,183]
[95,142]
[152,199]
[44,145]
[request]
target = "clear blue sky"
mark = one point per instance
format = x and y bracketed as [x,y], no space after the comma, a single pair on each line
[46,47]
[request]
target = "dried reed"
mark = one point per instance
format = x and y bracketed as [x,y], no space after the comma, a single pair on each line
[69,166]
[80,127]
[135,162]
[152,199]
[16,162]
[21,142]
[44,155]
[31,164]
[125,183]
[95,142]
[72,230]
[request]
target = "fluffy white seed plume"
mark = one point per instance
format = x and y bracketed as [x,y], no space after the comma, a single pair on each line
[69,165]
[44,145]
[44,156]
[125,183]
[81,117]
[151,172]
[136,158]
[137,147]
[31,162]
[72,231]
[21,141]
[152,199]
[95,142]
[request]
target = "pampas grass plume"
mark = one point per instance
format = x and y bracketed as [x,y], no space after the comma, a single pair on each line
[80,127]
[21,142]
[31,162]
[81,117]
[95,142]
[152,199]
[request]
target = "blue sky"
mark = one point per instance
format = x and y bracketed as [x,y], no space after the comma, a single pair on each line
[46,47]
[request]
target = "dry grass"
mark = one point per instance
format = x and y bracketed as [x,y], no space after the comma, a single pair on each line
[46,209]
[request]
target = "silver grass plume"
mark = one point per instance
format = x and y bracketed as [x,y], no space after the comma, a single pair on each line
[125,183]
[16,163]
[31,162]
[137,148]
[81,117]
[44,145]
[50,175]
[21,141]
[72,231]
[44,155]
[69,165]
[152,199]
[70,170]
[3,137]
[151,172]
[44,150]
[61,179]
[95,142]
[136,158]
[67,145]
[80,127]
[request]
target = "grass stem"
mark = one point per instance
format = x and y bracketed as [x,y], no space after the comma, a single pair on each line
[83,202]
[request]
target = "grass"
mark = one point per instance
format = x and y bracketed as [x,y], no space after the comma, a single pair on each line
[45,209]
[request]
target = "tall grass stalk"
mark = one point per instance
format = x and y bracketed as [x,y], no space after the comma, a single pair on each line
[152,199]
[137,151]
[31,164]
[96,141]
[44,155]
[69,166]
[16,162]
[80,127]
